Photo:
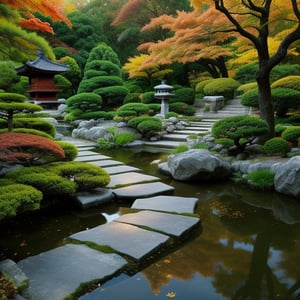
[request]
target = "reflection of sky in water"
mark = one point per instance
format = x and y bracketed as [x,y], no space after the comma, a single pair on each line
[137,288]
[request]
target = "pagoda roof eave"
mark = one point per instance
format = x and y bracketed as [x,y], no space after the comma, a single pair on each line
[41,64]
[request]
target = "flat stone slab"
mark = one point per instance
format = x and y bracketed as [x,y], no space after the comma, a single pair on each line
[120,169]
[167,203]
[172,224]
[85,153]
[91,157]
[56,273]
[130,178]
[95,197]
[123,238]
[106,163]
[143,190]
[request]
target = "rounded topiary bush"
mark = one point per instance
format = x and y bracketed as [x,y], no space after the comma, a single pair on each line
[199,88]
[291,134]
[186,95]
[154,108]
[221,87]
[290,82]
[150,127]
[277,146]
[149,97]
[242,89]
[250,98]
[138,108]
[70,150]
[285,98]
[132,97]
[182,108]
[245,73]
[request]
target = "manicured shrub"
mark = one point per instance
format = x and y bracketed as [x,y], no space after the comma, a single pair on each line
[171,114]
[149,97]
[154,108]
[186,95]
[70,150]
[29,131]
[241,129]
[136,121]
[35,123]
[277,146]
[90,85]
[246,73]
[221,87]
[104,67]
[86,176]
[182,108]
[132,97]
[28,149]
[49,183]
[225,142]
[17,198]
[150,127]
[291,134]
[200,86]
[250,98]
[113,96]
[261,179]
[285,98]
[289,82]
[242,89]
[138,108]
[279,128]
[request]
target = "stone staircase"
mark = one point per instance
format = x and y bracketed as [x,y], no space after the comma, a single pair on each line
[172,140]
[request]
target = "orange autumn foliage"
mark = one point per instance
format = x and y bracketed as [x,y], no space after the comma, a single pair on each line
[52,9]
[28,149]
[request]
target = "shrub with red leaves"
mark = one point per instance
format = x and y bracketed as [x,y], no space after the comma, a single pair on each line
[28,149]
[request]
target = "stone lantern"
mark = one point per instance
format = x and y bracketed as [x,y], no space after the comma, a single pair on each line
[163,92]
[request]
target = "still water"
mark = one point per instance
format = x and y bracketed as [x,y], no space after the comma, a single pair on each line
[248,247]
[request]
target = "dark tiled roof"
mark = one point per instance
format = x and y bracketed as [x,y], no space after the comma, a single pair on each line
[42,63]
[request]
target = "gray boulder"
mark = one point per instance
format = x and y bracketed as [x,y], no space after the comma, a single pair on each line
[287,178]
[198,164]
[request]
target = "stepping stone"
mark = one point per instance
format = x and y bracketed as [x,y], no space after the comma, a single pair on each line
[143,190]
[106,163]
[91,157]
[167,203]
[120,169]
[123,238]
[94,197]
[56,273]
[85,153]
[129,178]
[172,224]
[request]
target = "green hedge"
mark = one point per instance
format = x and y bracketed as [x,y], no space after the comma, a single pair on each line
[291,134]
[290,82]
[182,108]
[138,108]
[186,95]
[18,198]
[221,87]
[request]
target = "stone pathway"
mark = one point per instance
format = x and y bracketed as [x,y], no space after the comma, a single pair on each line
[156,220]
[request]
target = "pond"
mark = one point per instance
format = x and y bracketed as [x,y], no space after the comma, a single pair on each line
[248,247]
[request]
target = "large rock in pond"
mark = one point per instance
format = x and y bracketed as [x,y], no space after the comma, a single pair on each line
[198,164]
[287,178]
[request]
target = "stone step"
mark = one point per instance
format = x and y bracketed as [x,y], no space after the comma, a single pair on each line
[163,144]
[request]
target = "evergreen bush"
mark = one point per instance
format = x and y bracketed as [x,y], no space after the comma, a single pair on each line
[138,108]
[132,97]
[289,82]
[17,198]
[149,97]
[150,127]
[186,95]
[70,150]
[241,129]
[182,108]
[277,146]
[154,108]
[242,89]
[284,99]
[291,134]
[113,96]
[221,87]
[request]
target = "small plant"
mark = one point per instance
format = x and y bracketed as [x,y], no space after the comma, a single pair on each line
[225,142]
[200,145]
[277,146]
[180,148]
[171,114]
[206,107]
[7,289]
[261,179]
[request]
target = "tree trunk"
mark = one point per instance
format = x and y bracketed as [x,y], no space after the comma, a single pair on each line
[265,99]
[10,122]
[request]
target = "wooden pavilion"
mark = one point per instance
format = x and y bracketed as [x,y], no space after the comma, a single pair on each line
[41,72]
